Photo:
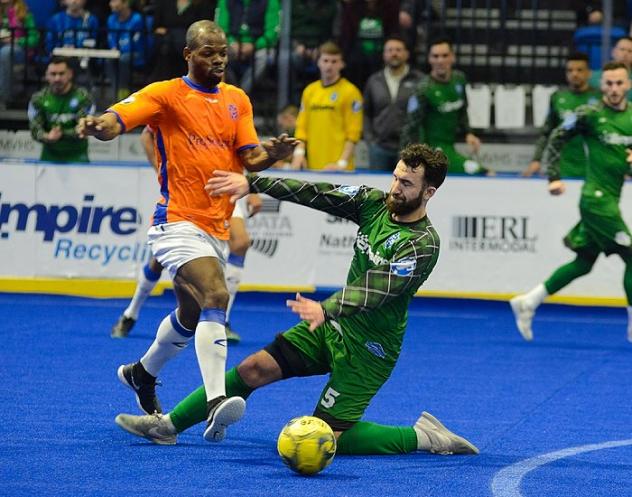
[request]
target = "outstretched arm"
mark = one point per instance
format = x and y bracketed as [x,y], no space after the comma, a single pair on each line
[104,127]
[265,155]
[338,200]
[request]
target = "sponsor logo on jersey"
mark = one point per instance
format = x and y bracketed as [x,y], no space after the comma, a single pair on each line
[376,349]
[333,96]
[363,246]
[446,107]
[391,240]
[616,139]
[404,267]
[348,190]
[128,100]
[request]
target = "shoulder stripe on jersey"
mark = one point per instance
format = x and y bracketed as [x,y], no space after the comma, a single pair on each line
[118,118]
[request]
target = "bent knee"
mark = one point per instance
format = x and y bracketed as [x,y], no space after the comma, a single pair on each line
[259,369]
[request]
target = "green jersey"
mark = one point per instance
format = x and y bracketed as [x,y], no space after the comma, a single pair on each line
[391,261]
[608,135]
[437,112]
[573,158]
[47,110]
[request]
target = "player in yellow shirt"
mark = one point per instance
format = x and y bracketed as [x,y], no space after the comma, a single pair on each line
[330,119]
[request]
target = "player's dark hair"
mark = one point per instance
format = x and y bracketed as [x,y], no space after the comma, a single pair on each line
[434,161]
[440,40]
[396,37]
[628,38]
[199,31]
[612,65]
[578,56]
[58,59]
[290,109]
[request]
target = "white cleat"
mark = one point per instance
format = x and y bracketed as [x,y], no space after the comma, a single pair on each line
[154,427]
[224,414]
[523,313]
[442,440]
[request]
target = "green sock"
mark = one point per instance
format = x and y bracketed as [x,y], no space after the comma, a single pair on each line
[627,279]
[371,438]
[569,272]
[192,409]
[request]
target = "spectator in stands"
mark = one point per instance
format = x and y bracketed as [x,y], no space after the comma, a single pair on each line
[364,26]
[54,113]
[286,123]
[73,27]
[621,52]
[590,12]
[563,103]
[412,14]
[126,32]
[307,35]
[252,28]
[330,119]
[17,34]
[437,112]
[171,20]
[386,96]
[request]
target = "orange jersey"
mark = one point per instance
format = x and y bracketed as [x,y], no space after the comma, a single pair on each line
[197,131]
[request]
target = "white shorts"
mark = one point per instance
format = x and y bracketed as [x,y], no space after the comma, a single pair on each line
[175,244]
[241,208]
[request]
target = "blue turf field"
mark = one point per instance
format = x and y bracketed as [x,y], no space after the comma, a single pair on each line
[566,397]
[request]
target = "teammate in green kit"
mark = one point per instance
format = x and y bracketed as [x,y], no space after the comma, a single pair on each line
[437,113]
[356,334]
[607,129]
[54,113]
[573,158]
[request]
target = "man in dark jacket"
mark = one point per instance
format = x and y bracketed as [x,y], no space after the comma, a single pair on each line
[386,96]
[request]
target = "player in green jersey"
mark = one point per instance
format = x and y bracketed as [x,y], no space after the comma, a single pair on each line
[607,129]
[55,111]
[563,103]
[356,334]
[437,112]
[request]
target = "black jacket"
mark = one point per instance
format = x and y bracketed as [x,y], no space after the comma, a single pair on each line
[383,118]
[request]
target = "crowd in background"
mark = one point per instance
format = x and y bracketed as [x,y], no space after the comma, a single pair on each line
[380,47]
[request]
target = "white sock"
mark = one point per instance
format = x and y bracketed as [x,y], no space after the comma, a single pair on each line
[234,272]
[147,280]
[536,296]
[210,347]
[171,339]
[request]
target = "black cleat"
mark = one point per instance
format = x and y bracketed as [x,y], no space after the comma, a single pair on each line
[223,412]
[135,377]
[122,327]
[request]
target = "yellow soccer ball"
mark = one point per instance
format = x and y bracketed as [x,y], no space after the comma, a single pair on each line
[307,445]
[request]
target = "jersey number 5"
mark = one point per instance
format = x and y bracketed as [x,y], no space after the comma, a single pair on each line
[329,399]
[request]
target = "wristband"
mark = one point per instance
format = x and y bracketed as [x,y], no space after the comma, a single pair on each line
[298,152]
[342,163]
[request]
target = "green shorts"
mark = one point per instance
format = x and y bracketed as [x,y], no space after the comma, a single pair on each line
[601,229]
[355,374]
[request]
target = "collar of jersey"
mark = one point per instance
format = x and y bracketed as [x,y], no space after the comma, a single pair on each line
[197,87]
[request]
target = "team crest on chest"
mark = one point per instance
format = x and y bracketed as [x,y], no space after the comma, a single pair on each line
[232,110]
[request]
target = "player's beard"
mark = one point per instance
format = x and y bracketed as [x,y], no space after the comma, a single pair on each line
[401,206]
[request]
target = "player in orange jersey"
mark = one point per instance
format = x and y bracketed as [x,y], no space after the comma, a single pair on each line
[201,125]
